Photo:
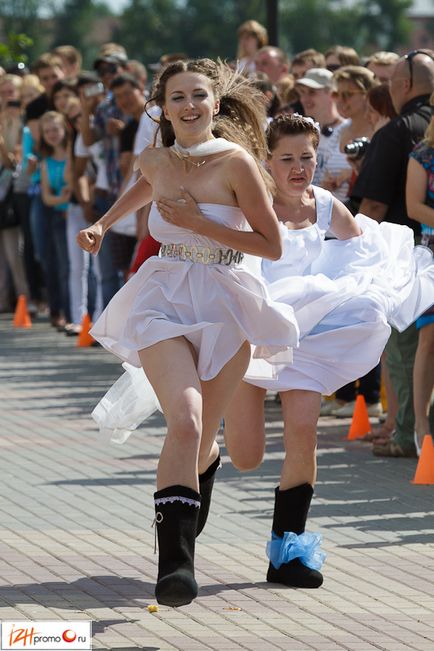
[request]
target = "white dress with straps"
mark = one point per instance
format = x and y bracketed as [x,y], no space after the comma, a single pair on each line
[345,294]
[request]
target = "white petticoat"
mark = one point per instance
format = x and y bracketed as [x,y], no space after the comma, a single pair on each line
[354,291]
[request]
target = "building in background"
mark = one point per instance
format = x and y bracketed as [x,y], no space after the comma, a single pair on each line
[421,15]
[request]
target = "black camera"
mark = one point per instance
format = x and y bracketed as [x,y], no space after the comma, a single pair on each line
[356,149]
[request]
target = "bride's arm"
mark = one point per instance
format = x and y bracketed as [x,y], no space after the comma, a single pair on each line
[252,198]
[138,195]
[343,225]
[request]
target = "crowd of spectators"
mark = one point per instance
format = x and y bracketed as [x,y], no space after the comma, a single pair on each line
[69,138]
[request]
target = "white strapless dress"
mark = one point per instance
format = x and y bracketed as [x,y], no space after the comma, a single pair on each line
[215,307]
[345,294]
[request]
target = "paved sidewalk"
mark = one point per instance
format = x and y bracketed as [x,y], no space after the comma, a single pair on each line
[76,540]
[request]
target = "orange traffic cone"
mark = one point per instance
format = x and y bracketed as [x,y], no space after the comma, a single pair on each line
[84,338]
[360,424]
[425,467]
[22,317]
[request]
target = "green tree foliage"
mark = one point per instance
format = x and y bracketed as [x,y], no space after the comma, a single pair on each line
[199,27]
[14,50]
[383,23]
[74,24]
[366,25]
[19,17]
[217,35]
[150,28]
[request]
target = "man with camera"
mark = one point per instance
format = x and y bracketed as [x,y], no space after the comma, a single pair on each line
[381,188]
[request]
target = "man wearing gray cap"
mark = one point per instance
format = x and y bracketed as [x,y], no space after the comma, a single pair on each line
[316,95]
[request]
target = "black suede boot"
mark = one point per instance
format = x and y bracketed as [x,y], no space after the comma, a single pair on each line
[290,513]
[206,483]
[176,513]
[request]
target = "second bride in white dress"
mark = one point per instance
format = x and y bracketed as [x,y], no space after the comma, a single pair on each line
[346,292]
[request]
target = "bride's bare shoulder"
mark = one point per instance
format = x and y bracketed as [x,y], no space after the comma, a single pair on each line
[150,157]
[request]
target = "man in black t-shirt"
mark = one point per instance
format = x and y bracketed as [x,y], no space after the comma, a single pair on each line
[381,188]
[381,182]
[49,70]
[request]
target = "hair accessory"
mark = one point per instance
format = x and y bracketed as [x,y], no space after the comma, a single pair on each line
[305,546]
[310,120]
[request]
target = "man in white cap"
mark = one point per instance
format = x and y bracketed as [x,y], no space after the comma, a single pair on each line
[316,91]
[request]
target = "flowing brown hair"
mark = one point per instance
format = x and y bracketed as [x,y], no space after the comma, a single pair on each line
[242,112]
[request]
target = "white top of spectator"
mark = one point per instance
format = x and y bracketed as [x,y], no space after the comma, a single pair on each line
[147,129]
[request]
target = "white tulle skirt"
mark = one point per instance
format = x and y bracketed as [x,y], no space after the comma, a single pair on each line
[358,289]
[214,307]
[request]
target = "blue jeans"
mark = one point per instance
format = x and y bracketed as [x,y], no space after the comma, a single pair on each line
[56,264]
[111,279]
[22,206]
[37,226]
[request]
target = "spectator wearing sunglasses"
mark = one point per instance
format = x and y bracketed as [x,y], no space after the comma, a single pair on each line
[353,84]
[340,55]
[381,187]
[316,92]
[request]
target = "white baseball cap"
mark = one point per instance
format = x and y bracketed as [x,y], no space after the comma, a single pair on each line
[317,78]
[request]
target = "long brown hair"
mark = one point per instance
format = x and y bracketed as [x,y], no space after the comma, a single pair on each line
[242,106]
[52,116]
[242,112]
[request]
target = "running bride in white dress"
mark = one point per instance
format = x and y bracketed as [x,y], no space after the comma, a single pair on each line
[190,316]
[345,292]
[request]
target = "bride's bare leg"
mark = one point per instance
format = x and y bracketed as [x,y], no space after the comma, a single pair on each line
[244,427]
[171,369]
[217,394]
[300,416]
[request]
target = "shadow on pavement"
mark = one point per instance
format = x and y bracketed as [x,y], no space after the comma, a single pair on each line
[101,592]
[94,591]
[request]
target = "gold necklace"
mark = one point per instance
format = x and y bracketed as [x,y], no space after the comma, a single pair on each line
[187,158]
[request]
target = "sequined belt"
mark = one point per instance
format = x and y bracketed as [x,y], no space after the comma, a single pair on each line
[202,254]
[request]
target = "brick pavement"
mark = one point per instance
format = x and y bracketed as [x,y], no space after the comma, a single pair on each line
[76,540]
